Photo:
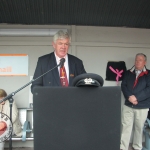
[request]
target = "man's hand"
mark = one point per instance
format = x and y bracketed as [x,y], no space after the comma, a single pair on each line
[133,100]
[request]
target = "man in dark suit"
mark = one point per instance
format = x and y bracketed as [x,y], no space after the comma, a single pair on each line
[73,65]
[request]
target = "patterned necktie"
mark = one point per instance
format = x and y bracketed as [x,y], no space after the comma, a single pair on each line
[63,77]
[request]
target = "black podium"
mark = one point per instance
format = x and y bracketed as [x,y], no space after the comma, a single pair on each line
[77,118]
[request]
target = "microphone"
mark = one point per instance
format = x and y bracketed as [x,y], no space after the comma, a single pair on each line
[62,61]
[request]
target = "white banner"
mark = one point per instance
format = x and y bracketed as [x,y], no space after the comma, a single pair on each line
[13,65]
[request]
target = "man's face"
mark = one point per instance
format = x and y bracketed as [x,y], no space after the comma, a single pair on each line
[140,62]
[61,47]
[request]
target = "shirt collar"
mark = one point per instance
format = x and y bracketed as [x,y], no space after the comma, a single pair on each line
[133,69]
[58,59]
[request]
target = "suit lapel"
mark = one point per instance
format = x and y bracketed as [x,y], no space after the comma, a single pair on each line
[55,73]
[71,70]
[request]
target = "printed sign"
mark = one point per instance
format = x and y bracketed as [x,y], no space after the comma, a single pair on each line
[6,127]
[13,64]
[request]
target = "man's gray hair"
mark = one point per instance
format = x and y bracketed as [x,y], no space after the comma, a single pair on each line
[62,35]
[141,54]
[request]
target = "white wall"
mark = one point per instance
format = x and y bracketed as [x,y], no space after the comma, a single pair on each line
[94,45]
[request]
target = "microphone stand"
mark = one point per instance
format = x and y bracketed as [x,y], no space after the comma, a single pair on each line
[10,97]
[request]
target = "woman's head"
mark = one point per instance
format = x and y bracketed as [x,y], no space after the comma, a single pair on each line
[2,93]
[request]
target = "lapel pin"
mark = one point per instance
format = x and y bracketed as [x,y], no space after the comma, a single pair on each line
[71,75]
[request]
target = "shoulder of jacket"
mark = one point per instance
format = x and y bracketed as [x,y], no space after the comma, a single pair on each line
[129,71]
[46,56]
[73,57]
[148,71]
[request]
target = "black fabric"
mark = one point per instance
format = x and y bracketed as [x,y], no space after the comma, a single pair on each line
[76,118]
[120,65]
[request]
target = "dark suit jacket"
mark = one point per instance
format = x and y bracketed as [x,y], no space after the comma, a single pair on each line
[52,78]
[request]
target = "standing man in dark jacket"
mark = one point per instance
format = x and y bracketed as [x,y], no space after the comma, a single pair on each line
[72,67]
[136,90]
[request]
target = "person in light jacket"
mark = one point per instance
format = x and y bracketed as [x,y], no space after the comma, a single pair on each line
[5,109]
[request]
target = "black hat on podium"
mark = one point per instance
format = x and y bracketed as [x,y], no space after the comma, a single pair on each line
[88,79]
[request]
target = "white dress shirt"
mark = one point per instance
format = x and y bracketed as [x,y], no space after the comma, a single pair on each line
[138,72]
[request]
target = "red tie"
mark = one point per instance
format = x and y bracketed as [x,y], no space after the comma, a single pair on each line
[63,77]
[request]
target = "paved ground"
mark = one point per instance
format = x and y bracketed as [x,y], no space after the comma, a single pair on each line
[29,148]
[26,148]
